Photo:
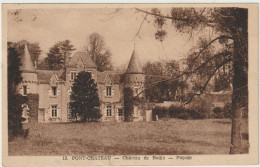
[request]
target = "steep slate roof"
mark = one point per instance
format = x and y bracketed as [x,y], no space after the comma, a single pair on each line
[116,77]
[87,60]
[26,61]
[45,75]
[134,66]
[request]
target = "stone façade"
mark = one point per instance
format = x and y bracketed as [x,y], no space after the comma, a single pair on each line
[54,87]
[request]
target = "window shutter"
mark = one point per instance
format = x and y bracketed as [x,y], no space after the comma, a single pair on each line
[58,112]
[112,92]
[104,92]
[105,111]
[50,113]
[21,90]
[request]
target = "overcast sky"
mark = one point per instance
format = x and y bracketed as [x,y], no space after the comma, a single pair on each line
[48,26]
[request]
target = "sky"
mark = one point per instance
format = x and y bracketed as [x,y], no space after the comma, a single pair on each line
[48,26]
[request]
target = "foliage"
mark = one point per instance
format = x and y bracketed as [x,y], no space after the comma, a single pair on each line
[163,91]
[15,101]
[221,113]
[33,104]
[57,55]
[14,73]
[230,27]
[178,112]
[84,102]
[33,48]
[99,53]
[128,104]
[160,111]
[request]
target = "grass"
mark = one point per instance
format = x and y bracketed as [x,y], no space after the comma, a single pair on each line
[164,137]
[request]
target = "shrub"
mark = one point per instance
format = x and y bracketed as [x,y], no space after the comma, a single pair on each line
[222,113]
[179,112]
[197,114]
[174,111]
[160,111]
[184,115]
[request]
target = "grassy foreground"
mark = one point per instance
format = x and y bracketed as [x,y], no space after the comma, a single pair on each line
[165,137]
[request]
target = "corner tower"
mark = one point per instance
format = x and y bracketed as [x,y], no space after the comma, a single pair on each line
[134,77]
[29,83]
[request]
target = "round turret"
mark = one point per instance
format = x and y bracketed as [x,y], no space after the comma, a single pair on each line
[134,77]
[29,83]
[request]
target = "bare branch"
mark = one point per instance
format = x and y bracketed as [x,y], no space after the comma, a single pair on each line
[137,34]
[211,42]
[206,83]
[184,73]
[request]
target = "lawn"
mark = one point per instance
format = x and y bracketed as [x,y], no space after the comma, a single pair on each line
[164,137]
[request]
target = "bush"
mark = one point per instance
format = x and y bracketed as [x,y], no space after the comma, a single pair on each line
[222,113]
[174,111]
[160,111]
[217,110]
[184,115]
[197,114]
[177,112]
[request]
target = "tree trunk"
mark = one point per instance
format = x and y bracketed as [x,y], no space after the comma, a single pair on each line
[240,94]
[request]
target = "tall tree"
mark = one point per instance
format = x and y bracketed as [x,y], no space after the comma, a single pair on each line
[231,27]
[159,71]
[15,101]
[33,48]
[99,53]
[84,102]
[56,57]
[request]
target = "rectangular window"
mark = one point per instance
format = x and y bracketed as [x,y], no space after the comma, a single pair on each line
[54,111]
[108,91]
[109,111]
[24,90]
[120,112]
[54,91]
[73,76]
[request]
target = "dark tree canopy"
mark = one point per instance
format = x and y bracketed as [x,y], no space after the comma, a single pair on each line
[230,26]
[33,48]
[84,98]
[163,91]
[128,104]
[56,57]
[15,101]
[99,52]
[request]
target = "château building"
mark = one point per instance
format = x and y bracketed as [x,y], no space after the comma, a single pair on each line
[54,87]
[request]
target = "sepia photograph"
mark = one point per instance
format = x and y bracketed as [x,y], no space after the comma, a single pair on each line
[100,82]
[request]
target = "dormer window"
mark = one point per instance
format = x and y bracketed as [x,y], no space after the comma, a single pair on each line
[73,75]
[54,90]
[24,90]
[108,90]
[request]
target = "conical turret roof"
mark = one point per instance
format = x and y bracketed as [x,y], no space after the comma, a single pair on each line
[26,60]
[134,66]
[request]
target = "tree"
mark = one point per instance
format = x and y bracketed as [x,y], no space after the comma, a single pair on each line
[128,104]
[84,102]
[57,55]
[33,48]
[231,29]
[15,101]
[163,91]
[99,53]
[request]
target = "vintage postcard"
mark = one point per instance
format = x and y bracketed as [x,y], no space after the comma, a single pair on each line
[130,84]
